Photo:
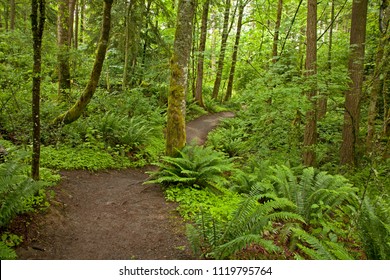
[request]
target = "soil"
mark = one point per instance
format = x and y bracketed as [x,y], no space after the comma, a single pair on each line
[111,215]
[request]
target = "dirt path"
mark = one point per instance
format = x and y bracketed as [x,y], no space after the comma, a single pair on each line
[112,215]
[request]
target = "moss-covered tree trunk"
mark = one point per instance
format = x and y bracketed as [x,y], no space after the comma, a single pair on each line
[276,32]
[75,112]
[37,27]
[176,132]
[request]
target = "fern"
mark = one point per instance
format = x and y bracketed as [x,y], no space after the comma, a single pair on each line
[374,229]
[313,188]
[249,221]
[15,187]
[312,247]
[194,166]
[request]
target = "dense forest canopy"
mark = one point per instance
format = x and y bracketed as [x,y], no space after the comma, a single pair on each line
[118,80]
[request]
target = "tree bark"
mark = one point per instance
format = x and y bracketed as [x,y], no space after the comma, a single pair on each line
[12,14]
[37,26]
[75,112]
[310,137]
[176,134]
[381,64]
[350,136]
[276,33]
[202,47]
[225,34]
[323,99]
[63,50]
[235,52]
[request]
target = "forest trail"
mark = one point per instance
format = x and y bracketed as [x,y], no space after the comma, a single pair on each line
[111,215]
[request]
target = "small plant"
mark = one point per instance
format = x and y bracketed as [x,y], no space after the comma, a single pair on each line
[194,166]
[6,253]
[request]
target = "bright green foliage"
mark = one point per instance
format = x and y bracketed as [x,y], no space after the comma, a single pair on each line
[15,188]
[82,158]
[6,253]
[194,201]
[194,166]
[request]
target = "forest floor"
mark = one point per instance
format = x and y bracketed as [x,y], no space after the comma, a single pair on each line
[110,215]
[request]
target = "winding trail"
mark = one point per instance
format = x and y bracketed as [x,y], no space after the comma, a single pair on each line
[111,215]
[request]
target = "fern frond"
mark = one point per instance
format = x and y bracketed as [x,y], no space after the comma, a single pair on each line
[241,242]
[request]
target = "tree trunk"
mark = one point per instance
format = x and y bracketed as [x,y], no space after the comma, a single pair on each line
[225,33]
[350,136]
[176,134]
[75,112]
[235,52]
[82,20]
[381,64]
[76,25]
[202,47]
[310,137]
[12,14]
[323,100]
[276,33]
[37,27]
[63,50]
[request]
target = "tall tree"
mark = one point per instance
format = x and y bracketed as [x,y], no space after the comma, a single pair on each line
[310,137]
[229,90]
[12,14]
[276,32]
[202,47]
[350,136]
[63,42]
[176,134]
[381,65]
[77,109]
[37,26]
[221,59]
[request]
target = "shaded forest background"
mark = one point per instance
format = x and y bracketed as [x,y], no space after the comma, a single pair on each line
[303,169]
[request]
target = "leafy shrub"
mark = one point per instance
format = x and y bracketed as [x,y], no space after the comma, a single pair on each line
[195,166]
[6,253]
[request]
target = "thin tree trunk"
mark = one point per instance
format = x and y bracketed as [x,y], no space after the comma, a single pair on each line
[76,25]
[63,50]
[350,136]
[82,20]
[235,52]
[75,112]
[225,34]
[12,14]
[276,33]
[37,26]
[381,63]
[127,43]
[72,6]
[202,47]
[323,100]
[310,137]
[176,134]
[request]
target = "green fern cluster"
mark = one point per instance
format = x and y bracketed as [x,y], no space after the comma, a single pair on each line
[15,188]
[195,166]
[246,228]
[374,228]
[304,214]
